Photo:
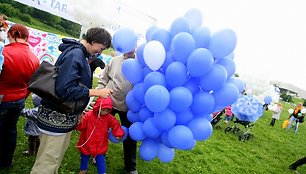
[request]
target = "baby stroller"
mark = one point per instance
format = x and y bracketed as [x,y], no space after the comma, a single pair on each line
[247,110]
[216,118]
[243,135]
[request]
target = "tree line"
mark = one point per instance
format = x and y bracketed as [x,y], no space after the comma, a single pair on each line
[30,16]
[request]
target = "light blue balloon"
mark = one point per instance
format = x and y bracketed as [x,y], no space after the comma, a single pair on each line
[193,84]
[214,79]
[222,43]
[179,25]
[165,154]
[163,36]
[201,36]
[139,92]
[113,139]
[201,129]
[181,137]
[157,98]
[180,99]
[154,78]
[229,65]
[125,40]
[240,84]
[150,32]
[208,117]
[203,103]
[226,95]
[168,60]
[132,103]
[1,55]
[136,132]
[132,116]
[268,99]
[181,46]
[145,114]
[150,129]
[132,70]
[194,17]
[148,150]
[200,62]
[146,70]
[184,117]
[139,54]
[176,74]
[165,120]
[164,139]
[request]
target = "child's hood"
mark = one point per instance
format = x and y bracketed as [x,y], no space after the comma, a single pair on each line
[105,102]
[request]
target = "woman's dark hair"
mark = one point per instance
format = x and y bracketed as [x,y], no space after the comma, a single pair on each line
[98,35]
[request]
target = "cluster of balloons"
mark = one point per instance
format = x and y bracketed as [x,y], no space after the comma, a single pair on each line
[181,76]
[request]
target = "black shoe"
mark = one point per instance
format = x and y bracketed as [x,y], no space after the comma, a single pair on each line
[292,167]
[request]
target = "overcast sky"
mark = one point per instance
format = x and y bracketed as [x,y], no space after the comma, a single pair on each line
[271,33]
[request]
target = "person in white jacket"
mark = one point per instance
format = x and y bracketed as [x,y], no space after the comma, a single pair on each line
[276,113]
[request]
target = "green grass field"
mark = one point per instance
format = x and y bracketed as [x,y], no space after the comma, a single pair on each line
[271,150]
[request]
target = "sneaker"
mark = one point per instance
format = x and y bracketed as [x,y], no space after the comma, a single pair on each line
[27,153]
[134,172]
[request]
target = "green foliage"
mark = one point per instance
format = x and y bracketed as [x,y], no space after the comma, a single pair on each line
[304,103]
[285,97]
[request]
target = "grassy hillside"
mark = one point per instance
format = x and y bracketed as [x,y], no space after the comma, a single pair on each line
[271,150]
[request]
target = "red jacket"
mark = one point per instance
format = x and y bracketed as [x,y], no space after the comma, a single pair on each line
[94,129]
[19,65]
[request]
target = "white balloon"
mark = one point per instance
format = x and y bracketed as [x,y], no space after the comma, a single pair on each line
[303,111]
[154,55]
[290,111]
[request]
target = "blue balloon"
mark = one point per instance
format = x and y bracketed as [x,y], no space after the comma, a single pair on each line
[268,99]
[139,92]
[132,116]
[145,114]
[181,137]
[132,70]
[208,117]
[148,150]
[200,62]
[184,117]
[165,154]
[163,36]
[181,46]
[136,132]
[214,79]
[164,139]
[125,40]
[150,129]
[176,74]
[238,83]
[203,103]
[179,25]
[113,139]
[139,53]
[157,98]
[132,103]
[150,32]
[201,36]
[194,17]
[193,84]
[180,99]
[146,70]
[201,129]
[168,60]
[154,78]
[229,65]
[226,95]
[164,120]
[222,43]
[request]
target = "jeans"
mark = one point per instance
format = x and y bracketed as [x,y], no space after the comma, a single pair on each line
[101,163]
[292,120]
[9,114]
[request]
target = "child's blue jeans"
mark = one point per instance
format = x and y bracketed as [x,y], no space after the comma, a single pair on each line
[100,159]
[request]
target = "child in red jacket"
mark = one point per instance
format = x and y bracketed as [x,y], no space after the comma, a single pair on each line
[94,128]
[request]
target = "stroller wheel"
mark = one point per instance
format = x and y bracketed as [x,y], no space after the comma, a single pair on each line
[236,130]
[228,129]
[242,137]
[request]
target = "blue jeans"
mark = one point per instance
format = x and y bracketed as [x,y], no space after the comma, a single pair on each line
[100,162]
[9,114]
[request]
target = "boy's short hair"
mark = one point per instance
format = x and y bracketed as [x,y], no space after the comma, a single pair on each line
[98,35]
